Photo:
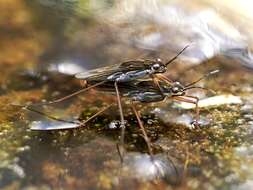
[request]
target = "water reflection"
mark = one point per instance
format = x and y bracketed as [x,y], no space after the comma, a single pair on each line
[52,125]
[144,167]
[137,165]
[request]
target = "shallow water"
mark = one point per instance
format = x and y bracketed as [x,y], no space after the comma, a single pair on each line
[43,43]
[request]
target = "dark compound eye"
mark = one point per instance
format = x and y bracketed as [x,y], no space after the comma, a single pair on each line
[156,66]
[175,89]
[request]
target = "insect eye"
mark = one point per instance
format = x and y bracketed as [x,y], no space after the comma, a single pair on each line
[156,66]
[175,89]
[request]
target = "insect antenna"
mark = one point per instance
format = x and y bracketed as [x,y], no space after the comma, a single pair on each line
[199,87]
[189,86]
[174,58]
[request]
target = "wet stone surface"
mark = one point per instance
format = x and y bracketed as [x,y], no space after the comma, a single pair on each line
[216,155]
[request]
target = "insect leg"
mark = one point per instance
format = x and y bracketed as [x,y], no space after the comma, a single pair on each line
[79,124]
[157,84]
[50,116]
[164,78]
[197,106]
[193,100]
[137,114]
[122,124]
[95,115]
[68,96]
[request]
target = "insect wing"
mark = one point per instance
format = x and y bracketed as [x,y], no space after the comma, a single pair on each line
[133,65]
[99,73]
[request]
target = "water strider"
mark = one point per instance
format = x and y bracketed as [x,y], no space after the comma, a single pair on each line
[123,73]
[141,79]
[128,71]
[145,91]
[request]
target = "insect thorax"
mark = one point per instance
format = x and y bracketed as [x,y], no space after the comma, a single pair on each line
[145,97]
[129,76]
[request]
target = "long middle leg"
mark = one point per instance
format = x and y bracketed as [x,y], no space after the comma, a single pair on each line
[137,114]
[193,100]
[78,123]
[122,124]
[65,97]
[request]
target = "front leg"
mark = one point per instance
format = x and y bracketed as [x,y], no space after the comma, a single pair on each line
[164,78]
[193,100]
[156,81]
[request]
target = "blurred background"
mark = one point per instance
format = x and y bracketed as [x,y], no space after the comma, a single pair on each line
[43,43]
[67,35]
